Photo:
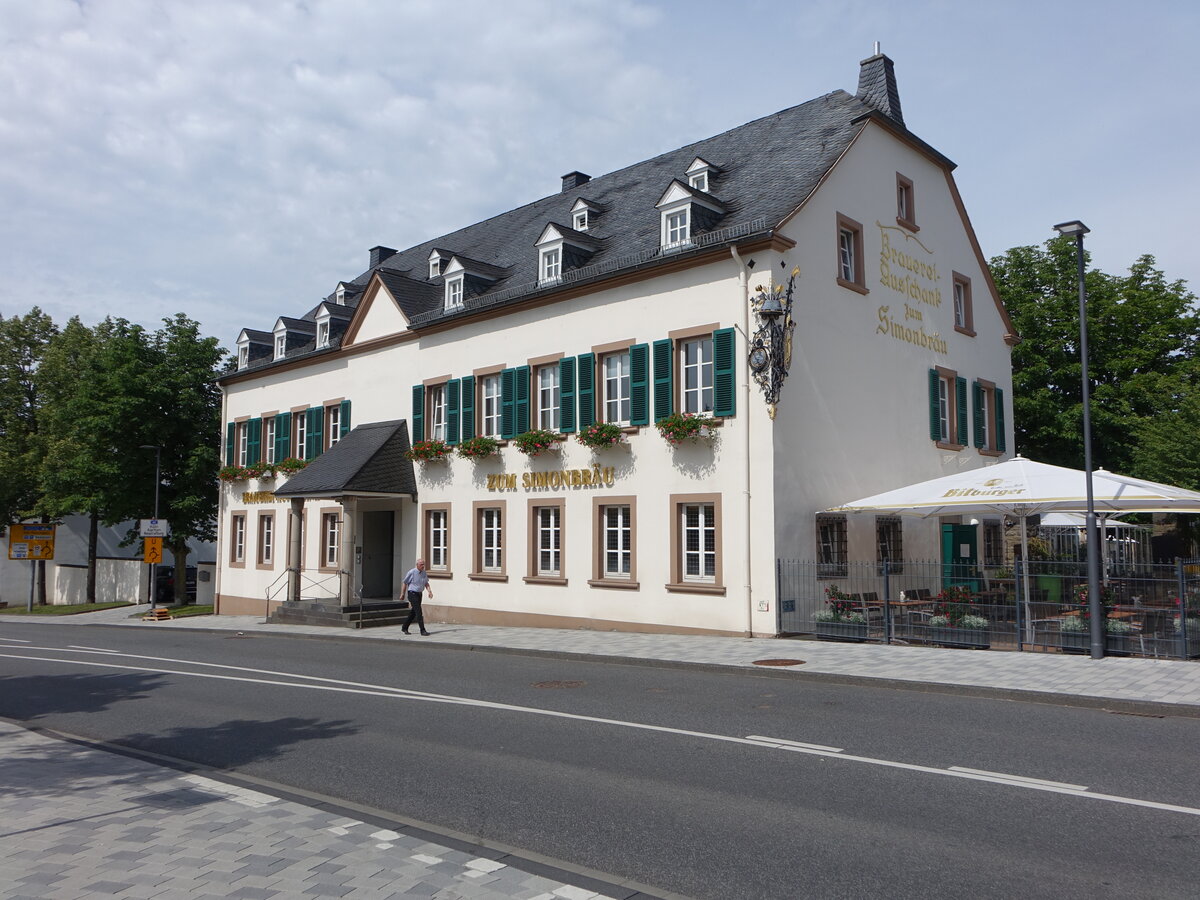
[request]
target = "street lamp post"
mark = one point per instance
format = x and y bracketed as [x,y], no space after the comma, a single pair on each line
[157,479]
[1077,230]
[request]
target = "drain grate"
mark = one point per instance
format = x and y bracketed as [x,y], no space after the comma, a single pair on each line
[558,684]
[779,662]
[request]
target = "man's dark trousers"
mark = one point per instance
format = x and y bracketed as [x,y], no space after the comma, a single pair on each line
[414,601]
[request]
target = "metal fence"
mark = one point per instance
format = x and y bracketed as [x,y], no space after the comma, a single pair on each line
[1149,610]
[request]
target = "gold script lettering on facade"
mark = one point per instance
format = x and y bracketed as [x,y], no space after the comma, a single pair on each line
[258,496]
[558,478]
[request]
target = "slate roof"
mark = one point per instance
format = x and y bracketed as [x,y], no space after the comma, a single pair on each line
[369,460]
[766,169]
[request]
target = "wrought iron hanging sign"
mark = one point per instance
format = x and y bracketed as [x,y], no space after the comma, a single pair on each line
[771,347]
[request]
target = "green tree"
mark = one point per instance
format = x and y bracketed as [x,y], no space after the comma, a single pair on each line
[1142,335]
[23,343]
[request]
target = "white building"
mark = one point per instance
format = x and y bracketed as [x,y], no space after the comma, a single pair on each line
[622,299]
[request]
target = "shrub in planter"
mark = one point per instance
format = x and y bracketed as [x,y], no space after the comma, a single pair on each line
[599,435]
[968,631]
[232,473]
[425,451]
[289,466]
[539,440]
[679,427]
[478,447]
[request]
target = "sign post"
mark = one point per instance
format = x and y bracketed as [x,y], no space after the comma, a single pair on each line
[32,542]
[153,531]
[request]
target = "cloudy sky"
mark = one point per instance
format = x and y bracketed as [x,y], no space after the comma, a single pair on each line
[233,159]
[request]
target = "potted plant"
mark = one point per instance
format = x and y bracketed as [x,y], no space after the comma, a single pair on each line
[601,435]
[955,621]
[839,621]
[429,451]
[679,427]
[1076,635]
[232,473]
[289,466]
[538,441]
[479,447]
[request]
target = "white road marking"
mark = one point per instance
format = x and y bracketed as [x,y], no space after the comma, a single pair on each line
[1003,777]
[344,687]
[784,744]
[15,640]
[93,649]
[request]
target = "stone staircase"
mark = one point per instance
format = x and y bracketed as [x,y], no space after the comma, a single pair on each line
[372,614]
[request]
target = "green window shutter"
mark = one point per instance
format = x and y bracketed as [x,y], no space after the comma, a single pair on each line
[466,421]
[566,394]
[521,407]
[724,369]
[453,405]
[977,401]
[664,389]
[935,406]
[508,403]
[230,438]
[315,432]
[960,396]
[999,401]
[283,436]
[418,413]
[639,384]
[345,418]
[253,441]
[585,389]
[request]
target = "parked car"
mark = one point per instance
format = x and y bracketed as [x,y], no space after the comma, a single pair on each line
[164,588]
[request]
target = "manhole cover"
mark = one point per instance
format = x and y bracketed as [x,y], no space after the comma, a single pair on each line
[557,684]
[779,662]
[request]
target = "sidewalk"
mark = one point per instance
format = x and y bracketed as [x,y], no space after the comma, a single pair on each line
[83,823]
[1054,675]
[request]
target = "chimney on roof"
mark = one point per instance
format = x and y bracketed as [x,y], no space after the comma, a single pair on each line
[574,179]
[379,254]
[877,85]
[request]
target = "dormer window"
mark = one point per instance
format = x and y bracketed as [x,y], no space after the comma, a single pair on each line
[700,173]
[676,228]
[699,181]
[280,345]
[454,292]
[436,263]
[583,214]
[580,220]
[243,356]
[551,265]
[323,334]
[340,295]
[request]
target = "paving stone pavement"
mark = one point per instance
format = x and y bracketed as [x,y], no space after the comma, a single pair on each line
[1126,679]
[81,823]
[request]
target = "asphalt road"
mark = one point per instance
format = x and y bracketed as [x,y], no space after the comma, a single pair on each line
[708,784]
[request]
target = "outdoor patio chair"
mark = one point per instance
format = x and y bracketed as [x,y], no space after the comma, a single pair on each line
[872,608]
[1159,626]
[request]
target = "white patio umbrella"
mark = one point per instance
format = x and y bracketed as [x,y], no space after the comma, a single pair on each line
[1021,487]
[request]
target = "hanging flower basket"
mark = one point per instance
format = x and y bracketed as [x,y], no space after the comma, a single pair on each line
[602,435]
[479,448]
[538,441]
[429,451]
[679,427]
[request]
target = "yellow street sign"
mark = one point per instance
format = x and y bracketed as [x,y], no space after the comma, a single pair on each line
[31,541]
[153,550]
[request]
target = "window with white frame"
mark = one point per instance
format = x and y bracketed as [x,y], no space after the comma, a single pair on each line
[617,388]
[243,356]
[489,406]
[617,548]
[243,438]
[696,369]
[905,207]
[333,425]
[677,227]
[491,541]
[946,409]
[280,345]
[237,543]
[851,271]
[699,545]
[437,540]
[437,412]
[699,181]
[330,539]
[454,293]
[549,541]
[964,318]
[269,440]
[322,334]
[551,268]
[989,417]
[300,427]
[846,256]
[549,397]
[339,296]
[435,266]
[580,220]
[266,540]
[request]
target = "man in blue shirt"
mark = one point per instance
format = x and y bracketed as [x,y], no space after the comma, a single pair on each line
[416,582]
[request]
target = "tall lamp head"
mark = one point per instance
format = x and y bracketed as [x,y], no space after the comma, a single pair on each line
[1074,228]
